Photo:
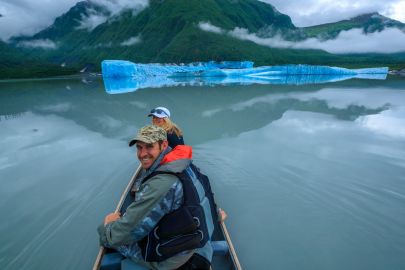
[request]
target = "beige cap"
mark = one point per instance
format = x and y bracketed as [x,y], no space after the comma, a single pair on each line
[149,134]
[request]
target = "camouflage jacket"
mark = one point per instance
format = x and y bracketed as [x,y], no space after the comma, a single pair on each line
[155,198]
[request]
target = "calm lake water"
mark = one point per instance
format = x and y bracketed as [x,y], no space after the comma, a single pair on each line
[311,176]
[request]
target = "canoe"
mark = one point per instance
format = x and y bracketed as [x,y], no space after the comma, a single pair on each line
[225,256]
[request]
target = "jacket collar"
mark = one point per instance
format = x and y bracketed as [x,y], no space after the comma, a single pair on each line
[179,152]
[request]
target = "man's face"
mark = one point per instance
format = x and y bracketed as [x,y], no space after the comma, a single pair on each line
[148,152]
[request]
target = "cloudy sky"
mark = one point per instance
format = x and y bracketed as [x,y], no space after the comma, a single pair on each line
[28,17]
[312,12]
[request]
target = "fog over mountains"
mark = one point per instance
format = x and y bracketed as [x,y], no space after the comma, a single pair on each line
[194,30]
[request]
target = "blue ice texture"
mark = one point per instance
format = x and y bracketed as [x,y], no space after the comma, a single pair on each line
[124,76]
[122,68]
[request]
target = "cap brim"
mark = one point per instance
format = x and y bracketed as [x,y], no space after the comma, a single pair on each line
[132,142]
[158,115]
[140,139]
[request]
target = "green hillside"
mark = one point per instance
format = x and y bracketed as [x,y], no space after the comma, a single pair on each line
[17,64]
[169,31]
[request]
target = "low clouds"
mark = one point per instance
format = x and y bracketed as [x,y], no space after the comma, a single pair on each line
[314,12]
[94,19]
[23,17]
[131,41]
[126,43]
[206,26]
[117,6]
[353,41]
[39,43]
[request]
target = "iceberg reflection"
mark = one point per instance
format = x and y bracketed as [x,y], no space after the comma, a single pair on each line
[130,84]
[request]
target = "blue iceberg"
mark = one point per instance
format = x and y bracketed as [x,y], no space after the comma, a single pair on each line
[124,76]
[268,71]
[120,69]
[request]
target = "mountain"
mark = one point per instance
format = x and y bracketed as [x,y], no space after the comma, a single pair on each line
[186,31]
[67,27]
[369,23]
[165,31]
[57,42]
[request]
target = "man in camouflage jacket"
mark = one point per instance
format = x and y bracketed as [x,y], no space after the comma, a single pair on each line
[160,195]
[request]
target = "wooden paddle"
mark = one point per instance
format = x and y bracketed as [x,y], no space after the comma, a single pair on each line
[101,252]
[231,247]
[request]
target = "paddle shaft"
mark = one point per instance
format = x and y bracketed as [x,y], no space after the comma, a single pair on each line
[101,251]
[231,247]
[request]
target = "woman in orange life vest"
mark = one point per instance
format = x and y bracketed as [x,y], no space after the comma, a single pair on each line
[161,118]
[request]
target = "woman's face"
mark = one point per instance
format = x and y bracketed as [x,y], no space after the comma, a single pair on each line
[157,121]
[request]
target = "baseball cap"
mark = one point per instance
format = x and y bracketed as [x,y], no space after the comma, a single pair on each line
[149,134]
[160,112]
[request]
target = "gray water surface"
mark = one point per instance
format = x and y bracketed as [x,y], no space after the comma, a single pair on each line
[311,176]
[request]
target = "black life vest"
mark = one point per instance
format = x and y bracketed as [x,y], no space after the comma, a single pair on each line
[184,228]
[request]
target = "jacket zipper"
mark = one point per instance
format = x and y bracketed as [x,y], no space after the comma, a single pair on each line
[147,249]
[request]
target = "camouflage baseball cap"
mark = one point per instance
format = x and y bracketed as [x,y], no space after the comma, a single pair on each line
[149,134]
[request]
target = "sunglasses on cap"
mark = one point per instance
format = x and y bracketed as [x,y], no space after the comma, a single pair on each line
[159,111]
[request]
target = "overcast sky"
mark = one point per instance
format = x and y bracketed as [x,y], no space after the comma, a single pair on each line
[312,12]
[30,16]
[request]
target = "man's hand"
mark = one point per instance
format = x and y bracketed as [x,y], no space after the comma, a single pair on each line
[221,215]
[111,217]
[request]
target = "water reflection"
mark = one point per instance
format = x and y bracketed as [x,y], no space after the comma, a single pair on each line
[228,110]
[328,194]
[130,84]
[55,174]
[314,172]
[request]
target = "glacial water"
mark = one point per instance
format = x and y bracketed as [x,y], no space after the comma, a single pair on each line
[312,176]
